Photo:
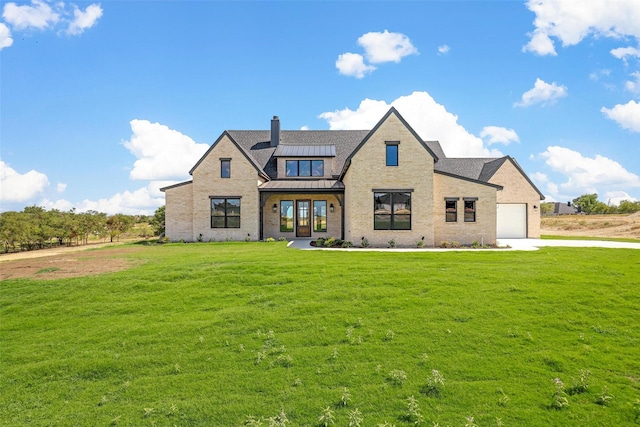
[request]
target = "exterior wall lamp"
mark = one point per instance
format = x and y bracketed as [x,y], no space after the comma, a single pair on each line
[275,208]
[331,208]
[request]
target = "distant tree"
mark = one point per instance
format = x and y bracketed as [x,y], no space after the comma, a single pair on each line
[586,203]
[157,222]
[119,224]
[546,208]
[627,206]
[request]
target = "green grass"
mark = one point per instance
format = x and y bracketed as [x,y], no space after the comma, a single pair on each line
[606,239]
[209,334]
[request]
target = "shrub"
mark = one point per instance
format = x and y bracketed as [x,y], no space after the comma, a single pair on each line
[347,244]
[420,243]
[559,398]
[397,377]
[269,240]
[444,244]
[329,242]
[326,418]
[435,383]
[413,414]
[392,243]
[475,244]
[355,418]
[282,239]
[364,242]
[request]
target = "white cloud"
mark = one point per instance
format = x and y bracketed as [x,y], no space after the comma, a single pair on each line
[634,84]
[162,153]
[16,187]
[543,182]
[499,135]
[352,64]
[540,44]
[615,197]
[571,21]
[624,52]
[305,127]
[5,36]
[587,174]
[428,118]
[60,187]
[597,75]
[542,93]
[143,201]
[444,49]
[626,115]
[386,46]
[83,20]
[39,15]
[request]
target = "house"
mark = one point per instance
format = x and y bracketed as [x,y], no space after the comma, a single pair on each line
[381,184]
[564,209]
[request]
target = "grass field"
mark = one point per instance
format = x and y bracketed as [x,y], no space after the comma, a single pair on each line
[224,334]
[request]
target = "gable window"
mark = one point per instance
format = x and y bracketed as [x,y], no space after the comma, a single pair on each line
[392,153]
[286,215]
[451,210]
[225,212]
[392,210]
[304,167]
[470,209]
[320,215]
[225,168]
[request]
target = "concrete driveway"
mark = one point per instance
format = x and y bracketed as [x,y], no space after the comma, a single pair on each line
[534,244]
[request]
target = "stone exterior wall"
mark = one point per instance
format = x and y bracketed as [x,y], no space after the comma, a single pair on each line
[518,190]
[243,183]
[271,220]
[178,218]
[483,230]
[368,171]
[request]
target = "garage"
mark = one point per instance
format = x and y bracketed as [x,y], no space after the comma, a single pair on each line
[512,221]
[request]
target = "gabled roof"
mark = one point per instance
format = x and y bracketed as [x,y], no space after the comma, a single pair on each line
[257,144]
[391,111]
[248,155]
[480,169]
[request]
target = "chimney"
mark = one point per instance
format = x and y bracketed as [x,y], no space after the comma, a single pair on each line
[275,131]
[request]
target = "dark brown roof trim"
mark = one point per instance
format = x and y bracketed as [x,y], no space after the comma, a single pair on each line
[464,178]
[180,184]
[244,153]
[392,110]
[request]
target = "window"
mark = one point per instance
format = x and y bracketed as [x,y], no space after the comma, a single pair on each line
[392,154]
[470,210]
[286,215]
[392,211]
[451,210]
[225,168]
[225,212]
[320,215]
[304,167]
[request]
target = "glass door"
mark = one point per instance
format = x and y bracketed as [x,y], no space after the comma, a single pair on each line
[303,220]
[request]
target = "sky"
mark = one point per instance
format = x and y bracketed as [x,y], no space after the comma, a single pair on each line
[102,103]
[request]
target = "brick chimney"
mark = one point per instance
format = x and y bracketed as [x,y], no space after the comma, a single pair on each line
[275,131]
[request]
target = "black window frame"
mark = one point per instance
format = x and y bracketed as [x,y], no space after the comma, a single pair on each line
[470,213]
[451,213]
[394,217]
[283,224]
[392,153]
[229,216]
[307,165]
[225,172]
[316,216]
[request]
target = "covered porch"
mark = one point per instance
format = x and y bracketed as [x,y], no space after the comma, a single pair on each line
[301,209]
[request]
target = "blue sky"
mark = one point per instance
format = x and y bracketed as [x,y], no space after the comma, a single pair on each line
[103,103]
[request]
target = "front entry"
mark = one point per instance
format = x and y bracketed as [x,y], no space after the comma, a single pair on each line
[303,219]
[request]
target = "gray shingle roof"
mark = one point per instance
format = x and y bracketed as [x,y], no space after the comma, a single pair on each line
[256,144]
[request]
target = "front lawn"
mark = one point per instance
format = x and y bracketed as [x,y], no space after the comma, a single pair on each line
[223,334]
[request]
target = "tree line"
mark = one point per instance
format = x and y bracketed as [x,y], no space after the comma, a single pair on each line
[37,228]
[589,204]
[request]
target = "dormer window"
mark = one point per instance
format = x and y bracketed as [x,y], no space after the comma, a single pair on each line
[305,168]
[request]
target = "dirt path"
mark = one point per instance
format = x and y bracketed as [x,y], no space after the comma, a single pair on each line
[60,250]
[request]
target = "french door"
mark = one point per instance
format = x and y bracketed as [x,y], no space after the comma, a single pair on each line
[303,219]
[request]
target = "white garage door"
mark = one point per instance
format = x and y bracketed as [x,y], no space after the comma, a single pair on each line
[512,221]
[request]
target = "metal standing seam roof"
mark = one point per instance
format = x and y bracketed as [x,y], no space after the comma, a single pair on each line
[300,184]
[305,151]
